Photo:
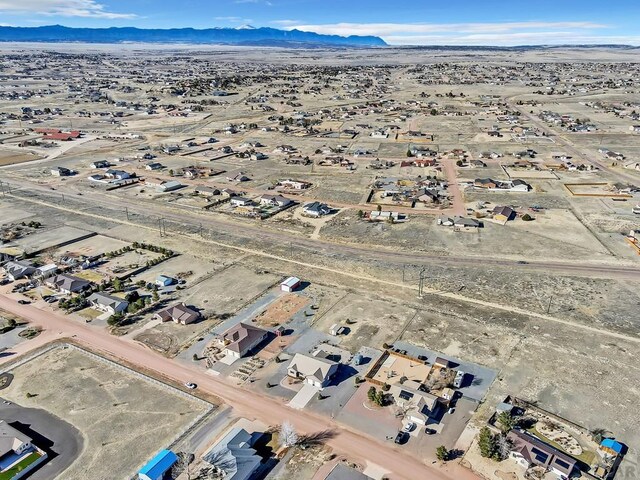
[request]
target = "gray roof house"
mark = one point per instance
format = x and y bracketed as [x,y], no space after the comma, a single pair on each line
[18,269]
[235,455]
[107,303]
[316,209]
[67,283]
[12,441]
[343,472]
[316,370]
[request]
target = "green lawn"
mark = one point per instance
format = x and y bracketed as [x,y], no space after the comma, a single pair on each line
[13,471]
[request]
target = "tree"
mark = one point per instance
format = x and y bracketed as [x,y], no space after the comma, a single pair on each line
[503,448]
[527,218]
[442,453]
[506,422]
[599,434]
[288,435]
[487,443]
[117,284]
[11,323]
[360,214]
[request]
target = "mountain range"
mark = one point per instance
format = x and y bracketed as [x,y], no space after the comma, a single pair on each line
[245,35]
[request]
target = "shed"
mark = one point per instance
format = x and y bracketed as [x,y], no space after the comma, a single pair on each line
[158,466]
[290,284]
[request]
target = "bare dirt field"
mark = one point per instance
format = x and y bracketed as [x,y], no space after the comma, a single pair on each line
[227,291]
[281,310]
[120,414]
[370,322]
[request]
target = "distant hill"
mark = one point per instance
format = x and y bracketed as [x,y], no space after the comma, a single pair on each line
[245,35]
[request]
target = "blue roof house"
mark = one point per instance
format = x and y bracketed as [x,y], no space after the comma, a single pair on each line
[158,466]
[610,446]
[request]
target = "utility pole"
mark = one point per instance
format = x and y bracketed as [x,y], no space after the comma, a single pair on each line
[549,305]
[201,235]
[126,209]
[160,226]
[421,283]
[2,188]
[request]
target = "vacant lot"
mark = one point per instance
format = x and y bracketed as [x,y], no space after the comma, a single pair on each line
[123,418]
[281,310]
[227,291]
[369,322]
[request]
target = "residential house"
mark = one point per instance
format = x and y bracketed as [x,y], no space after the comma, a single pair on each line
[241,339]
[235,455]
[68,284]
[117,174]
[207,191]
[16,270]
[411,395]
[178,313]
[445,221]
[240,177]
[12,442]
[100,164]
[294,184]
[316,209]
[158,466]
[503,214]
[462,222]
[240,202]
[170,186]
[154,166]
[518,185]
[274,201]
[107,303]
[61,172]
[45,271]
[342,471]
[485,183]
[529,451]
[314,370]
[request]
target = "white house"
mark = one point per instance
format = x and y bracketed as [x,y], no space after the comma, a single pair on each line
[317,370]
[107,303]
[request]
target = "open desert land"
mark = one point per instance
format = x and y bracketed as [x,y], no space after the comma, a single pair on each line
[120,414]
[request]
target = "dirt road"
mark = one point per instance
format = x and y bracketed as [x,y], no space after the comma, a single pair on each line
[355,445]
[258,232]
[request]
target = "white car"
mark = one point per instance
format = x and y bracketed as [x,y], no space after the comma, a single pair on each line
[409,427]
[191,386]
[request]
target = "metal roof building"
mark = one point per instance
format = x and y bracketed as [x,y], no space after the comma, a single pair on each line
[158,466]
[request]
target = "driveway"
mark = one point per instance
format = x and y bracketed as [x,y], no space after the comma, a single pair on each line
[304,396]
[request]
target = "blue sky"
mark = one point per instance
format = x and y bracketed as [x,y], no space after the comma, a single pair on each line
[414,22]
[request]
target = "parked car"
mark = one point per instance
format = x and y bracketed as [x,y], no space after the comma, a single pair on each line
[430,431]
[24,302]
[409,427]
[191,386]
[451,410]
[402,438]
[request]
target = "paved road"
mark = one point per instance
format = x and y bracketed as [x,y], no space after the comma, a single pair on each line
[325,247]
[270,411]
